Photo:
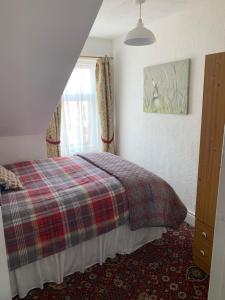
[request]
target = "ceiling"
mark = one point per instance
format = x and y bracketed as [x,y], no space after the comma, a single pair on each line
[40,43]
[116,17]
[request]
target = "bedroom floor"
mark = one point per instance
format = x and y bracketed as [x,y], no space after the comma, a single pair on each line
[161,270]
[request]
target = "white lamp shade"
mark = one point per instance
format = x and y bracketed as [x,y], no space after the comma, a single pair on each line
[140,36]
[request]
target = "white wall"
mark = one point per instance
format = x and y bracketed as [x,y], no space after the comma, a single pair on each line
[167,145]
[20,148]
[217,275]
[97,47]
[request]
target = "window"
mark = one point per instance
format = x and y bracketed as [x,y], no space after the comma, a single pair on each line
[80,126]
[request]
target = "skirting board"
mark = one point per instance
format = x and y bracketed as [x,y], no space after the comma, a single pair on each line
[190,219]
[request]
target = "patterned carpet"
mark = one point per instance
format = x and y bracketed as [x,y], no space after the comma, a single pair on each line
[161,270]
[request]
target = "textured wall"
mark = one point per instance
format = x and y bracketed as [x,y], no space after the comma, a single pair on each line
[167,145]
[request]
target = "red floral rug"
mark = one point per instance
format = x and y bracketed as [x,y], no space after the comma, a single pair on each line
[161,270]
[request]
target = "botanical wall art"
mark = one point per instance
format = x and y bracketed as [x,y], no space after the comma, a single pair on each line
[166,88]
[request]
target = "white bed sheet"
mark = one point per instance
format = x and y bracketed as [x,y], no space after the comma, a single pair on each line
[54,268]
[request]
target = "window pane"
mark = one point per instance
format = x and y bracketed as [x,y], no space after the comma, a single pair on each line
[79,82]
[80,126]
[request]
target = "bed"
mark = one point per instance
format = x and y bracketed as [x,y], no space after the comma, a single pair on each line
[76,211]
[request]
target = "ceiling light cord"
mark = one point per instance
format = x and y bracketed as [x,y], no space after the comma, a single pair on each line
[140,11]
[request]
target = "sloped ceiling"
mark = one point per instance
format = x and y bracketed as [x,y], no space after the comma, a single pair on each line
[40,41]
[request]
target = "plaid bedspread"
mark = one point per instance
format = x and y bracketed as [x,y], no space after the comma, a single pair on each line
[65,201]
[151,200]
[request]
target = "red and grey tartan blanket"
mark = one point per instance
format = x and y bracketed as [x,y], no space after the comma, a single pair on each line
[64,201]
[69,200]
[151,200]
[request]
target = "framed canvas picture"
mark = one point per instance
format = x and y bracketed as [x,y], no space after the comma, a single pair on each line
[166,88]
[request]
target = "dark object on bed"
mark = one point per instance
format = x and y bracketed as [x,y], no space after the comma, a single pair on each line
[68,200]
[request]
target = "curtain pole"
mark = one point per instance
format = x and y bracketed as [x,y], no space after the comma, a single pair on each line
[87,56]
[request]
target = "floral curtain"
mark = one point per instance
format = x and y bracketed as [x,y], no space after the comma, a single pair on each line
[105,103]
[53,134]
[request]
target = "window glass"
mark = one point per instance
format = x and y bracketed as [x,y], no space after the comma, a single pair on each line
[80,126]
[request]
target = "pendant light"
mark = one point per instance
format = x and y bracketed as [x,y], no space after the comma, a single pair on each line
[140,36]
